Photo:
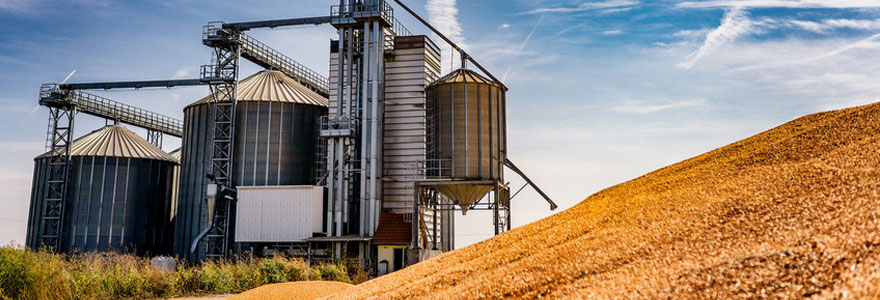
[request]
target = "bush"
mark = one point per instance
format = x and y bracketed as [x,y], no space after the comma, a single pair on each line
[26,275]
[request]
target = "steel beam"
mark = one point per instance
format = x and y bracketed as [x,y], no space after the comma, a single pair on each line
[244,26]
[222,78]
[516,170]
[131,84]
[58,173]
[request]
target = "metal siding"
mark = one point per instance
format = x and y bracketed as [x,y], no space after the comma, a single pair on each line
[275,146]
[470,126]
[404,134]
[278,213]
[103,193]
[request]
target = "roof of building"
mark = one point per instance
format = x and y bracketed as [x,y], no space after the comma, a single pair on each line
[115,141]
[176,154]
[274,86]
[393,230]
[465,75]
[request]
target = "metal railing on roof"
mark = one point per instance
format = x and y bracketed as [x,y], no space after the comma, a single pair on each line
[264,56]
[52,95]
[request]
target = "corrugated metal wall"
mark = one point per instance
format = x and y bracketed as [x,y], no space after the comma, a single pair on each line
[114,204]
[279,214]
[415,65]
[469,125]
[274,145]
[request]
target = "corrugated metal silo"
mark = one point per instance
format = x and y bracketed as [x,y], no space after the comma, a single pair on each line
[467,137]
[275,142]
[119,197]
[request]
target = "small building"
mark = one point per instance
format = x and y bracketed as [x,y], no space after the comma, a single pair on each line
[393,237]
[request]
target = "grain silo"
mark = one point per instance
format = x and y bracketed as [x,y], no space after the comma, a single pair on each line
[467,133]
[275,144]
[119,195]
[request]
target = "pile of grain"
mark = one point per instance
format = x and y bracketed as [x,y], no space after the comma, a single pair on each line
[300,290]
[792,212]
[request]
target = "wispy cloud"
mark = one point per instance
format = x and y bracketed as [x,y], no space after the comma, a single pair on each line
[612,32]
[781,3]
[529,37]
[872,42]
[607,6]
[734,25]
[17,6]
[832,24]
[642,107]
[444,15]
[569,29]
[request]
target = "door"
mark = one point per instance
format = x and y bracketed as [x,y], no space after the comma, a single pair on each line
[398,259]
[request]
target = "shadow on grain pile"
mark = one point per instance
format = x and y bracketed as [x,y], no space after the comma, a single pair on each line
[791,212]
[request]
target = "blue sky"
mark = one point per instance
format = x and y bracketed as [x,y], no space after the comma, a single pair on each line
[601,91]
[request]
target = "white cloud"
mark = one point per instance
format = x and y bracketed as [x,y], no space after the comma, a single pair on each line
[871,42]
[781,3]
[612,32]
[734,25]
[608,6]
[832,24]
[505,25]
[183,72]
[17,6]
[569,29]
[642,107]
[443,14]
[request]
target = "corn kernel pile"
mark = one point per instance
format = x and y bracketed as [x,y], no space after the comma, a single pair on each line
[792,212]
[300,290]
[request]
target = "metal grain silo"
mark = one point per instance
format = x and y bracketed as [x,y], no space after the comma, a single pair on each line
[467,133]
[119,196]
[275,142]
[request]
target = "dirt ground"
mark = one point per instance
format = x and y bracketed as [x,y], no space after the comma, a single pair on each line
[793,212]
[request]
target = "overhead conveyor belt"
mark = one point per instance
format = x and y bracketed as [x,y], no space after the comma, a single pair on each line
[52,95]
[215,35]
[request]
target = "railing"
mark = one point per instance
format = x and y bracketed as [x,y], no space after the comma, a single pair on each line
[263,54]
[344,14]
[338,126]
[51,95]
[435,169]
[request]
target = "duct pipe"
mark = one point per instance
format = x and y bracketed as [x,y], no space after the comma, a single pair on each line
[377,139]
[331,174]
[365,80]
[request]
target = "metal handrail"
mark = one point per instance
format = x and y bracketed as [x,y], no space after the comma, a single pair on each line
[435,168]
[297,71]
[52,95]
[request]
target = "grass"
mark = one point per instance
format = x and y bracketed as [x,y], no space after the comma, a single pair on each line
[26,274]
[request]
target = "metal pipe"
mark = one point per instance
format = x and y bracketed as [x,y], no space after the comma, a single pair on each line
[366,207]
[377,140]
[451,43]
[513,167]
[331,174]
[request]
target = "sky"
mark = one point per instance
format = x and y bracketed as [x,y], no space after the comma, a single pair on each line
[601,92]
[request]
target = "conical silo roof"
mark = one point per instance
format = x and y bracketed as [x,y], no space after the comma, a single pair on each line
[465,75]
[176,154]
[269,85]
[116,141]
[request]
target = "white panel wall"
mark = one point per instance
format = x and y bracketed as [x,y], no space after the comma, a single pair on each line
[412,69]
[278,213]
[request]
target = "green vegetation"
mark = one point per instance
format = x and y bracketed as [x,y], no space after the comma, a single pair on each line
[26,274]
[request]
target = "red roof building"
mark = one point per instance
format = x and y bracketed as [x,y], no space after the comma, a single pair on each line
[394,229]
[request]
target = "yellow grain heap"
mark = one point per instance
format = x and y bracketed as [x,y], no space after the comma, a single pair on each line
[300,290]
[791,212]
